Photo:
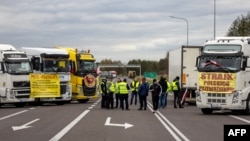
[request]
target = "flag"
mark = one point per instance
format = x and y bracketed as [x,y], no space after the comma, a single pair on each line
[211,62]
[184,96]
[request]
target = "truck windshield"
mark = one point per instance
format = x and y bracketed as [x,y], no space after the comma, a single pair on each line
[86,66]
[15,67]
[55,65]
[220,63]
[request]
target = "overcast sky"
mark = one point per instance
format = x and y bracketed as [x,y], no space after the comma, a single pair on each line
[116,29]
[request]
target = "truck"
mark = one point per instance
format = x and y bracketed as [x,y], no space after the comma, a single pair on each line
[83,74]
[15,68]
[131,74]
[182,61]
[223,75]
[50,81]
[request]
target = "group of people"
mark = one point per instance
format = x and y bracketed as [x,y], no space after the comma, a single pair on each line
[159,90]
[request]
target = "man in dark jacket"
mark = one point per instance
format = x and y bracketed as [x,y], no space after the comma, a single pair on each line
[143,93]
[104,93]
[156,91]
[162,98]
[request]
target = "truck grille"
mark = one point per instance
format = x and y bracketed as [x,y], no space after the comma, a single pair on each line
[63,89]
[216,98]
[89,91]
[25,93]
[19,84]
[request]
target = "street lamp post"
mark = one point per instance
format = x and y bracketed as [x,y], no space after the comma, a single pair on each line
[214,19]
[187,24]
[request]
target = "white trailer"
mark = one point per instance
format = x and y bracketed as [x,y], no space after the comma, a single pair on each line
[224,75]
[15,68]
[182,63]
[50,61]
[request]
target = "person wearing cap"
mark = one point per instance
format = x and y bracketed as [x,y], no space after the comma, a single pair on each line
[123,91]
[143,93]
[104,91]
[176,90]
[134,86]
[156,90]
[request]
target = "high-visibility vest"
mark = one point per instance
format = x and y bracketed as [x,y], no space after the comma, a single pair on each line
[135,86]
[116,88]
[102,83]
[169,89]
[112,87]
[122,86]
[174,86]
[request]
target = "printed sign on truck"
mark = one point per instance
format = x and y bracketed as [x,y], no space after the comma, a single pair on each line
[44,85]
[211,82]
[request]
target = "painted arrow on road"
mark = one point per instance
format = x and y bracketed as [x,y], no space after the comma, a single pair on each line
[125,125]
[24,126]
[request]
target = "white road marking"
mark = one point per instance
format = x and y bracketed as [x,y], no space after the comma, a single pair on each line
[167,124]
[14,114]
[24,126]
[125,125]
[66,129]
[242,119]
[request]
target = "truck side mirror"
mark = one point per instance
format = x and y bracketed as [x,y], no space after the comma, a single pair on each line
[1,70]
[248,63]
[35,63]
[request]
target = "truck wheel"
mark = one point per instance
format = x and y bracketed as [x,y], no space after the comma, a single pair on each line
[207,111]
[247,110]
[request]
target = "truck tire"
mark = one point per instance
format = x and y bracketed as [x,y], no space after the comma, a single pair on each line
[207,111]
[247,110]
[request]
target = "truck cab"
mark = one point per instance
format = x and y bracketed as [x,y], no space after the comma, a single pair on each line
[51,69]
[15,68]
[224,75]
[83,75]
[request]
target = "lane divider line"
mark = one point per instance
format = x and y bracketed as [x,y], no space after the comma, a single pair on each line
[66,129]
[14,114]
[168,125]
[239,118]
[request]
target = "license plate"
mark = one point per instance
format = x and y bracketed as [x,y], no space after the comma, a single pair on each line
[215,105]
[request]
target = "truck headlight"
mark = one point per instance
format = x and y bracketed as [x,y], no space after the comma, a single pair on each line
[198,96]
[12,94]
[235,97]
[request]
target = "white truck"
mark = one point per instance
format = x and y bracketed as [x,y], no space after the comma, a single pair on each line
[224,75]
[50,82]
[182,63]
[15,68]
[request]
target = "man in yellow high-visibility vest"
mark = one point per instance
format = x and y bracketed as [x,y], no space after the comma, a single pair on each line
[111,90]
[176,90]
[134,87]
[123,91]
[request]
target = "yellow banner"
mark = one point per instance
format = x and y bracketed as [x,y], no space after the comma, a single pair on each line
[211,82]
[44,85]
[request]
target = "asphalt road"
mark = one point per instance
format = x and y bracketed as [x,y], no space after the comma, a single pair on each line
[88,122]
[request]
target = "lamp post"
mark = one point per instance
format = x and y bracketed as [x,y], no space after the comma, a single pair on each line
[187,24]
[214,19]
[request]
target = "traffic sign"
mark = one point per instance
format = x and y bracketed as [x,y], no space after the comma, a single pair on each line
[150,74]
